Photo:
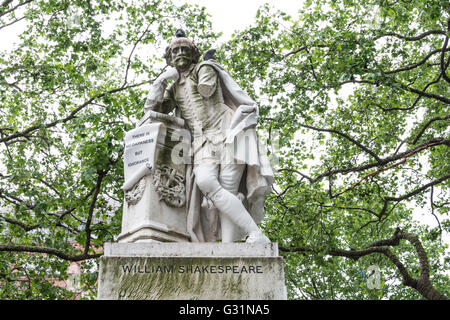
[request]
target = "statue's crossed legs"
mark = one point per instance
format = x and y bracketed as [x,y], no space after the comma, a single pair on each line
[220,183]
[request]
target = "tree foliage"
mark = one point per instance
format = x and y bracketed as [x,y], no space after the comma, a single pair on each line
[70,89]
[358,91]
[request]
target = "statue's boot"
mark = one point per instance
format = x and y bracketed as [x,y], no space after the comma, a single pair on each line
[232,207]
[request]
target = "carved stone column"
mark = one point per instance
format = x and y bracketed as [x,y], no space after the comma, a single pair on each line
[154,207]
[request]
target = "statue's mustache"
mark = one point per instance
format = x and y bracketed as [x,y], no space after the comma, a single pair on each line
[181,57]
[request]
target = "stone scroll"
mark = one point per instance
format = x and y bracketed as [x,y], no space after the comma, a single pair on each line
[140,152]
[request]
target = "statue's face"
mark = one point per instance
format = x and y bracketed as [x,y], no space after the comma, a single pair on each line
[182,57]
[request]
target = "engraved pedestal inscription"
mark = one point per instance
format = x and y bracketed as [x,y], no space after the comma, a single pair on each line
[200,271]
[141,151]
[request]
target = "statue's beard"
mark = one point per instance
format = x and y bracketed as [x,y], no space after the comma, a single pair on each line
[182,61]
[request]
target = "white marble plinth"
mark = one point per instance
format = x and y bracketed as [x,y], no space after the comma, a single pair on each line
[183,270]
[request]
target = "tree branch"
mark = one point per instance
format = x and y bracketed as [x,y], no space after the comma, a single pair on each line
[427,125]
[418,190]
[7,25]
[432,210]
[414,38]
[298,172]
[13,8]
[21,224]
[303,48]
[48,250]
[101,175]
[422,285]
[444,65]
[5,3]
[346,136]
[15,200]
[69,116]
[131,54]
[403,160]
[421,93]
[421,62]
[384,161]
[426,94]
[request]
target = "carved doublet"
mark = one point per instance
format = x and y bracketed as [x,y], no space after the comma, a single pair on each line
[206,117]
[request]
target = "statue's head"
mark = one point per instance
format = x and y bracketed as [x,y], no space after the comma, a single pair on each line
[182,52]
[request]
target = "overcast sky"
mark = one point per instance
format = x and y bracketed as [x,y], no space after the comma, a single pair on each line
[230,15]
[226,15]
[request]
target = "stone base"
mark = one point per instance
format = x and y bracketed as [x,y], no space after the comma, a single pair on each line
[191,271]
[153,232]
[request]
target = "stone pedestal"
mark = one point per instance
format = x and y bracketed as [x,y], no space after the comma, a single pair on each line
[193,271]
[154,205]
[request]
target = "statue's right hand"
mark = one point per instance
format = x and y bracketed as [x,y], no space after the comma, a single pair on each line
[170,74]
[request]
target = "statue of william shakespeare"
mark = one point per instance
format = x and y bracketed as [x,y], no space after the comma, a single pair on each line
[225,188]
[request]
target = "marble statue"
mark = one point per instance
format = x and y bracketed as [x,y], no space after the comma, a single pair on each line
[230,174]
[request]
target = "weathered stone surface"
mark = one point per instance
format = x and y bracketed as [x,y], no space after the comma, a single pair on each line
[189,249]
[151,219]
[203,277]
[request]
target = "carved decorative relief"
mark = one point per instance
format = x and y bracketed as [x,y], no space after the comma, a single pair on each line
[135,194]
[169,185]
